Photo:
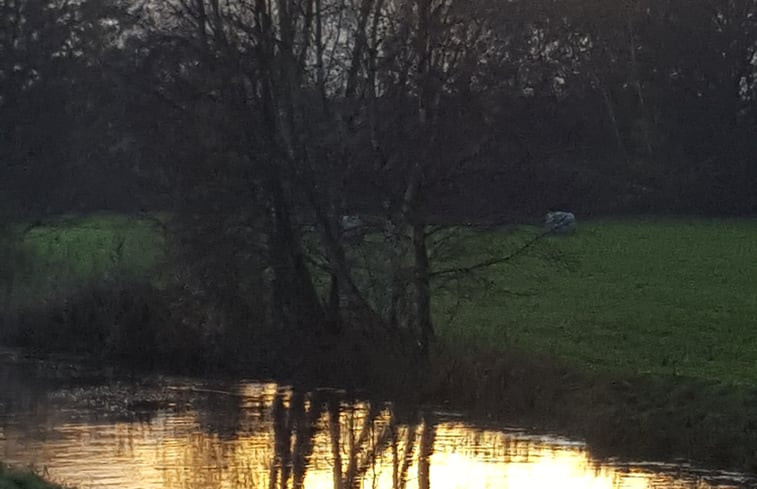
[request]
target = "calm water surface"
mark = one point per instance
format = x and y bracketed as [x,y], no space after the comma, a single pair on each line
[176,433]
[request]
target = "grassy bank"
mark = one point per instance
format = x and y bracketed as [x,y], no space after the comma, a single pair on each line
[52,258]
[91,245]
[10,479]
[635,334]
[661,296]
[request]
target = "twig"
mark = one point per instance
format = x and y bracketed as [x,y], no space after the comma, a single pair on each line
[493,261]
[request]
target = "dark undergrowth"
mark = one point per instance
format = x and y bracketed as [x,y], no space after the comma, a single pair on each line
[642,417]
[139,326]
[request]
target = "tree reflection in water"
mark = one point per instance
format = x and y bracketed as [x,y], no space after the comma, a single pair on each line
[361,436]
[257,435]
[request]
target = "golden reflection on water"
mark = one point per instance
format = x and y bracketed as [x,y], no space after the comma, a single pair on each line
[276,439]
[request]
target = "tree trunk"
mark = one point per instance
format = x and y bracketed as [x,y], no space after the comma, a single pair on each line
[336,439]
[306,430]
[282,453]
[428,438]
[397,285]
[358,48]
[639,90]
[333,313]
[422,288]
[610,107]
[294,291]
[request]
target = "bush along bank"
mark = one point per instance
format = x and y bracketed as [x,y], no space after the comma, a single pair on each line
[642,417]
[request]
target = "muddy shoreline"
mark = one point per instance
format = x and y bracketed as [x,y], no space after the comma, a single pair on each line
[635,418]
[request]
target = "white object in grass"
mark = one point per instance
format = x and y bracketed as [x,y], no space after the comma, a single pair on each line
[560,222]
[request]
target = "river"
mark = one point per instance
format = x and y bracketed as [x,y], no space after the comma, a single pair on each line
[89,430]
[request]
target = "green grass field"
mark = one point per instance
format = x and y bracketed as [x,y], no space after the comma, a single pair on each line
[652,295]
[52,259]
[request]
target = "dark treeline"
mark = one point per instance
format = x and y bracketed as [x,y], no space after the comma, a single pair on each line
[604,106]
[261,124]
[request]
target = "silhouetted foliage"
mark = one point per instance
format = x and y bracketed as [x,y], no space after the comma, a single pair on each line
[261,124]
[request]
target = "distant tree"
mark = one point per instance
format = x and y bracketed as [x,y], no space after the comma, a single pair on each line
[290,102]
[60,113]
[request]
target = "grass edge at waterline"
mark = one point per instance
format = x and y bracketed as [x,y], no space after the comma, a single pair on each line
[17,479]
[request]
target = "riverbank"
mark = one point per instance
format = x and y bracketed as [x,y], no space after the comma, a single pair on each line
[633,416]
[635,334]
[627,417]
[10,479]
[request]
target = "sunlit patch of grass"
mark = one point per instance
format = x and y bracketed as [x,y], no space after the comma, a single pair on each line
[652,295]
[53,258]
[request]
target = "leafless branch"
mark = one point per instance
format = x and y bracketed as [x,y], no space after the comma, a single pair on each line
[493,261]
